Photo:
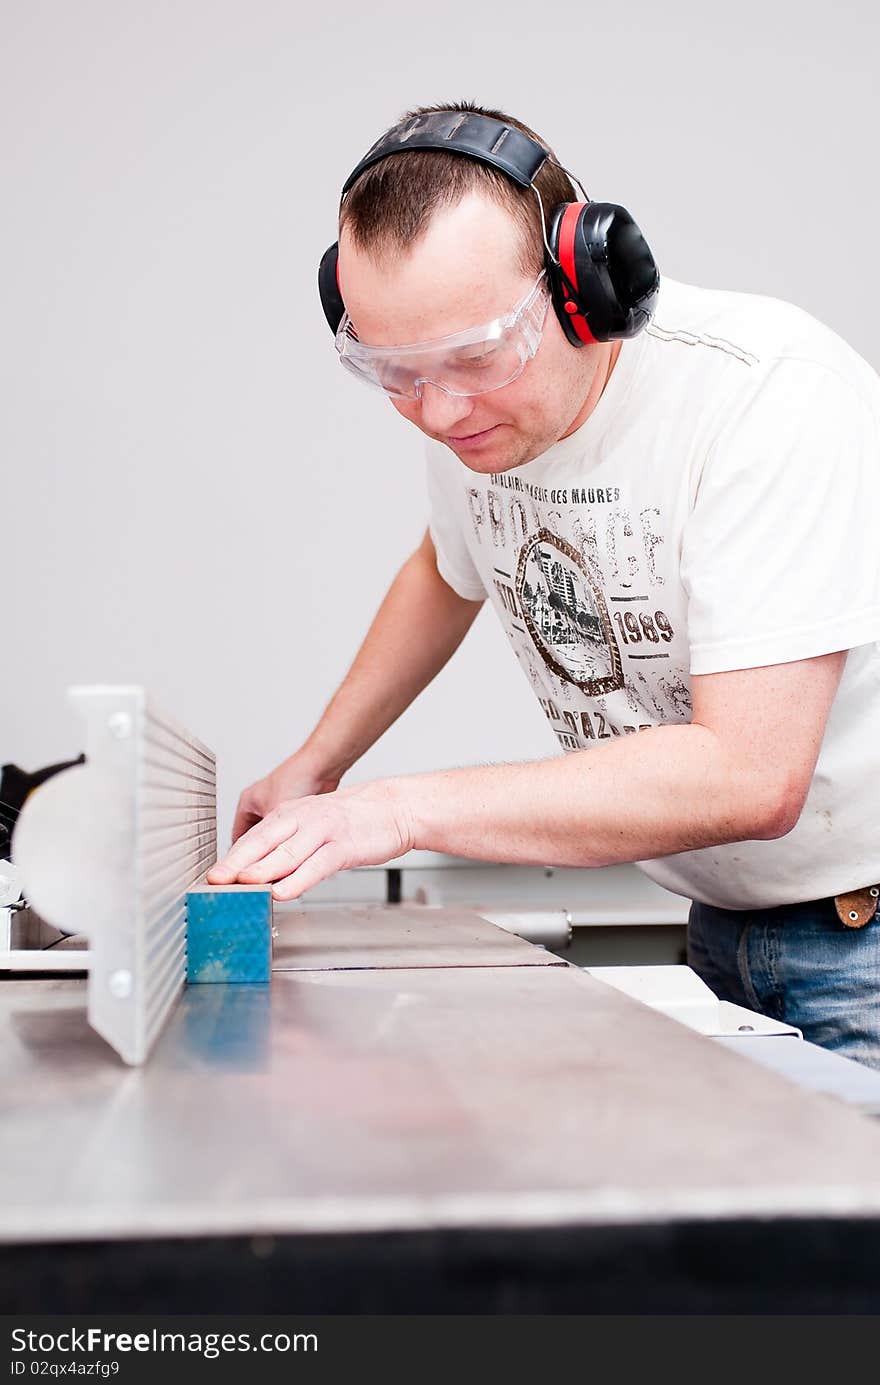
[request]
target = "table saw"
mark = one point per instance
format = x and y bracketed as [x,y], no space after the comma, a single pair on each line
[420,1112]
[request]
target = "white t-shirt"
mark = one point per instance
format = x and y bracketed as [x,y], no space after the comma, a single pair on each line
[718,510]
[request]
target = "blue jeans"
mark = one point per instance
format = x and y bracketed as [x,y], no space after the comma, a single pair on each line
[795,963]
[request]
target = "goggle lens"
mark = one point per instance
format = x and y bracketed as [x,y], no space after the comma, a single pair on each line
[498,363]
[472,362]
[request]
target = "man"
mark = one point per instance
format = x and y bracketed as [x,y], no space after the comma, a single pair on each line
[676,529]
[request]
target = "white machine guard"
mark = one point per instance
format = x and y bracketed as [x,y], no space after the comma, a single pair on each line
[109,849]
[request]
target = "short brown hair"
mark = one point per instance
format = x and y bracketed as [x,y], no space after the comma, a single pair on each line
[390,206]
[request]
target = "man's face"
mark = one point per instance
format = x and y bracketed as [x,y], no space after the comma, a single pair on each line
[462,273]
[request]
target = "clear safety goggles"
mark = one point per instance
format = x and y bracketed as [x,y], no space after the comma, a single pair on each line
[472,362]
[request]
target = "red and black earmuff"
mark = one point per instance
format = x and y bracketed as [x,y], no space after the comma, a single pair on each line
[602,275]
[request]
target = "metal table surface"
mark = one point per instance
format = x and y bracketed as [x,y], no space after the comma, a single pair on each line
[464,1080]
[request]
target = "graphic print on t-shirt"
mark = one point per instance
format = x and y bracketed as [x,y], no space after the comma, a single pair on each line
[566,615]
[576,577]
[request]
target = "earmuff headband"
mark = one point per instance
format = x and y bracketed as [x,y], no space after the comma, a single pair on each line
[461,132]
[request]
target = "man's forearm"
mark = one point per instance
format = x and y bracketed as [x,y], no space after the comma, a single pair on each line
[671,789]
[726,776]
[417,629]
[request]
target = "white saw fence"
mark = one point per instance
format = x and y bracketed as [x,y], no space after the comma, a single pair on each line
[110,848]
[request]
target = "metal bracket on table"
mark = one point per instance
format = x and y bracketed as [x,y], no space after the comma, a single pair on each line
[28,943]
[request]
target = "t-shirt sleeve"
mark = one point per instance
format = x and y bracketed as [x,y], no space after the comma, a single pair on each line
[447,518]
[780,556]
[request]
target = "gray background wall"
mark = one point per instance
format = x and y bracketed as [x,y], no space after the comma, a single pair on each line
[193,494]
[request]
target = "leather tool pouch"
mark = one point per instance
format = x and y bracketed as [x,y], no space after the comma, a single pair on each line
[858,907]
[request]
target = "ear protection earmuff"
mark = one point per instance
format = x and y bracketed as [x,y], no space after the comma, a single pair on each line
[603,277]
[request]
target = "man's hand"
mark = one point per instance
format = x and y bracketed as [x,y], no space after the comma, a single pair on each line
[295,777]
[304,840]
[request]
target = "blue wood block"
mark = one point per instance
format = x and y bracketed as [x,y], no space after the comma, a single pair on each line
[229,933]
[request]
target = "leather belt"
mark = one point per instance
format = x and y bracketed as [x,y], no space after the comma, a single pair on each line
[858,907]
